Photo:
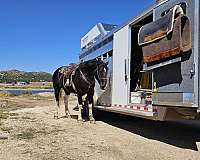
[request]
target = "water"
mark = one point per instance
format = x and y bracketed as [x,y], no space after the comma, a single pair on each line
[23,91]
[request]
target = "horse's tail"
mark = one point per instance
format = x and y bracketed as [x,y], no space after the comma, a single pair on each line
[55,77]
[56,85]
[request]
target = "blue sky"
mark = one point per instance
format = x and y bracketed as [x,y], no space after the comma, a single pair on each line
[41,35]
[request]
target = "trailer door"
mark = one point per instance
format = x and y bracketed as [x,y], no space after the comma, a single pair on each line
[121,50]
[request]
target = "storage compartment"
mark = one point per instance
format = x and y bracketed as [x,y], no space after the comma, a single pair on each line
[166,37]
[161,58]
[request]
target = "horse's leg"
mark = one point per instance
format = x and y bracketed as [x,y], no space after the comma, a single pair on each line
[66,98]
[57,96]
[80,108]
[90,105]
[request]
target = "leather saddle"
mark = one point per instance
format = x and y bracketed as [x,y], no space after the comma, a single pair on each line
[166,37]
[67,72]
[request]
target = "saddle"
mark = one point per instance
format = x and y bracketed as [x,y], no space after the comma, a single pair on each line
[166,37]
[68,72]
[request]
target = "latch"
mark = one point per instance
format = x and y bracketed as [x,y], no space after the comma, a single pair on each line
[125,68]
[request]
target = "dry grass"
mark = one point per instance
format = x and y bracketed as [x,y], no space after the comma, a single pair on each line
[4,115]
[43,132]
[13,114]
[4,94]
[46,86]
[7,105]
[25,117]
[6,129]
[27,134]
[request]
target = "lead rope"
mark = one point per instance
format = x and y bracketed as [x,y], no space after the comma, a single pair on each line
[85,79]
[71,81]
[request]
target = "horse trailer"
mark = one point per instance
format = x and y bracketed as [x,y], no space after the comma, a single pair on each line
[153,62]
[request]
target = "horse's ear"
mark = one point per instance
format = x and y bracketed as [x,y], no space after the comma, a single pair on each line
[98,59]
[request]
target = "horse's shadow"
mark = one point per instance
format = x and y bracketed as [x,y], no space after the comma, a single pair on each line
[180,134]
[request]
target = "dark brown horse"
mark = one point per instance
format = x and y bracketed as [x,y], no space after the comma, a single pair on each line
[80,79]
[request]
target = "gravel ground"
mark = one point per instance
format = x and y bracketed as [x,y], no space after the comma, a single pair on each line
[33,133]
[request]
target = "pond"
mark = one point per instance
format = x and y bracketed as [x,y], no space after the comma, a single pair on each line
[24,91]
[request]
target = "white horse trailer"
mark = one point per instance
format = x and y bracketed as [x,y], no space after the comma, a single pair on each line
[167,84]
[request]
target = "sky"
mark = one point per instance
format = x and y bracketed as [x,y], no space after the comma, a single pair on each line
[41,35]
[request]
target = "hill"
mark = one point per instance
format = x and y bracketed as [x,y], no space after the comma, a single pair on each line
[12,76]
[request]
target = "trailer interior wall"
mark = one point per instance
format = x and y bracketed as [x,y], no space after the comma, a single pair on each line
[136,56]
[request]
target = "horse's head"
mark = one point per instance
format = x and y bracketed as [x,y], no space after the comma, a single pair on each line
[101,73]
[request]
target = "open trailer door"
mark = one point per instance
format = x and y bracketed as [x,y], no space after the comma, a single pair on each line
[121,44]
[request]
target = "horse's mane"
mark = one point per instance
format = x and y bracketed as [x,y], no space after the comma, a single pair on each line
[92,62]
[88,64]
[89,61]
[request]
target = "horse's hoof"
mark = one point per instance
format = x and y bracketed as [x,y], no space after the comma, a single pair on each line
[80,121]
[76,108]
[65,116]
[55,117]
[69,117]
[93,121]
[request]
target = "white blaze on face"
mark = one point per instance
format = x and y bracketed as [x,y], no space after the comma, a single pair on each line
[105,70]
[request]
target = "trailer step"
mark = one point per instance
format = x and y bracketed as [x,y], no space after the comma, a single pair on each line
[129,110]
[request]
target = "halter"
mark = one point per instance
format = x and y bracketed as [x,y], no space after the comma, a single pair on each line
[85,79]
[98,74]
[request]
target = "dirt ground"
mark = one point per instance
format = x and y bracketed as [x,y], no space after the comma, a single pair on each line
[28,130]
